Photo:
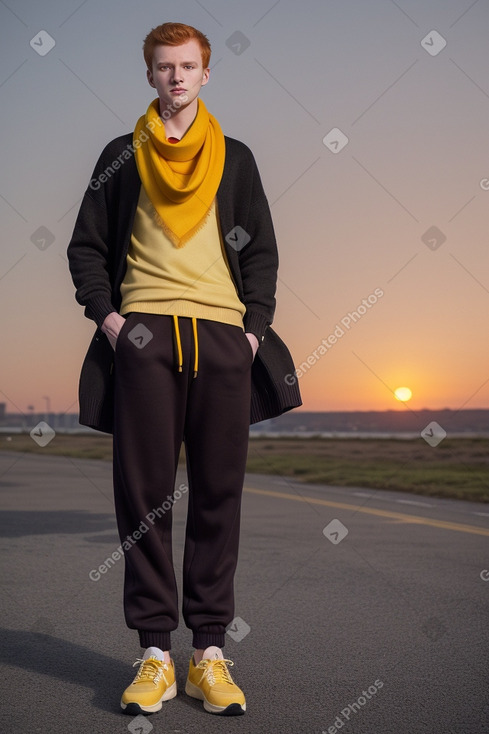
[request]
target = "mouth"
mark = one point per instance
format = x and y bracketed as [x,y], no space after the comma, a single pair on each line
[178,90]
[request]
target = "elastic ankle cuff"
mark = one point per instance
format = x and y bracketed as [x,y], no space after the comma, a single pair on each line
[201,639]
[155,639]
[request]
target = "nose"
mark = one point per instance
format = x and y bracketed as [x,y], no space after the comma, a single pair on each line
[177,77]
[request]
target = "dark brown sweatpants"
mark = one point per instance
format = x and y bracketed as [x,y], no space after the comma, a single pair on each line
[156,407]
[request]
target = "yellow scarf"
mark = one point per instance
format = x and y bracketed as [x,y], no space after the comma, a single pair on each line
[181,179]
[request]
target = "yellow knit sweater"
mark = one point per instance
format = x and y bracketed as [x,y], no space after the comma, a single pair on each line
[193,280]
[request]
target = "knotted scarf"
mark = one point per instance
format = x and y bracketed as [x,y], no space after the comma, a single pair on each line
[181,179]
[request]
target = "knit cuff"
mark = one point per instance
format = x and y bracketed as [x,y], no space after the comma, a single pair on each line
[255,323]
[98,309]
[215,636]
[155,639]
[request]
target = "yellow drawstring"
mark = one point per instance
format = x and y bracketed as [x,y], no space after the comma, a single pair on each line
[179,345]
[196,347]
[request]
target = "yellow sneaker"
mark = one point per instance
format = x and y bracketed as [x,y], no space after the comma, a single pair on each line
[154,683]
[211,682]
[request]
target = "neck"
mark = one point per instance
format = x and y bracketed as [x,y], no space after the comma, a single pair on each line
[177,125]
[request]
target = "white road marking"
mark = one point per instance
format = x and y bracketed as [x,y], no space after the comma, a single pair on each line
[413,502]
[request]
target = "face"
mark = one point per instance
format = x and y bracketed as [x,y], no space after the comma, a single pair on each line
[177,73]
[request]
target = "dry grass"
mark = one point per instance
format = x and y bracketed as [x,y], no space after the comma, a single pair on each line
[457,468]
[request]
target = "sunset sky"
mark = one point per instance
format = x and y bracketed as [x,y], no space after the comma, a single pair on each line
[400,214]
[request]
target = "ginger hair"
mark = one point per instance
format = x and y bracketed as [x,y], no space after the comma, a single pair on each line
[175,34]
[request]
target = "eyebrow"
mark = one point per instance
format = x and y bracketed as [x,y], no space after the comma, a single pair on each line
[169,63]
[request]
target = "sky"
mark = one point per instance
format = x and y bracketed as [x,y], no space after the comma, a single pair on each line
[368,121]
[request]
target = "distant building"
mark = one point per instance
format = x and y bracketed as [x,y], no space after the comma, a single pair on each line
[25,422]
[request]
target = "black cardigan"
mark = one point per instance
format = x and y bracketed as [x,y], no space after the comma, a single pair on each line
[97,259]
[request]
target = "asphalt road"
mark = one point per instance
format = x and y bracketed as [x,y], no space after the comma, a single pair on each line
[376,625]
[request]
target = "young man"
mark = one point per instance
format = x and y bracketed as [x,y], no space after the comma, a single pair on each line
[174,257]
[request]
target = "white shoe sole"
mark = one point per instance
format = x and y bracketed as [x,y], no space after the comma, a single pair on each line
[135,708]
[232,709]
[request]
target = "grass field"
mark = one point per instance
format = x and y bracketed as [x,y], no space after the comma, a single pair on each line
[456,468]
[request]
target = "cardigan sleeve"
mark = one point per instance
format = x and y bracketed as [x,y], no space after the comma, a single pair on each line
[88,251]
[259,262]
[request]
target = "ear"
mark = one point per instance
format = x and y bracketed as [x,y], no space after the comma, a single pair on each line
[205,76]
[149,77]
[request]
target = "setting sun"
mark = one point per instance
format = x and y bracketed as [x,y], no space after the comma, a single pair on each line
[403,394]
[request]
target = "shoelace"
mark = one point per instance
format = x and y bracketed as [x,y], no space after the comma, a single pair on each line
[151,670]
[215,671]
